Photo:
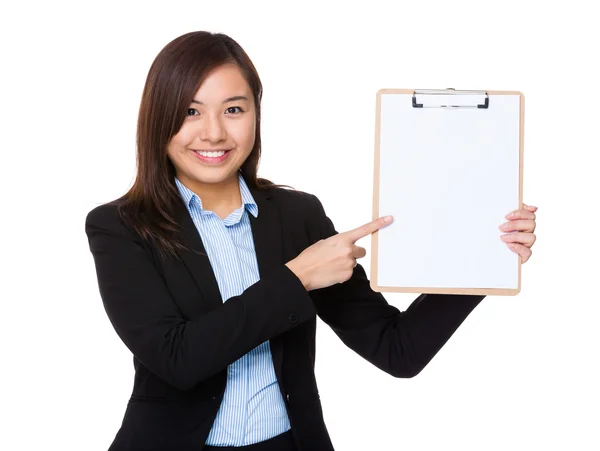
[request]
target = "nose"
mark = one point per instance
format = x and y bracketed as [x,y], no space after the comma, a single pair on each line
[211,129]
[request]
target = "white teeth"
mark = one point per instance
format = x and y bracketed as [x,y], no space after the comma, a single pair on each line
[211,154]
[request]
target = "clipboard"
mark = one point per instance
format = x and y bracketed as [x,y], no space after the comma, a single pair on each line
[449,167]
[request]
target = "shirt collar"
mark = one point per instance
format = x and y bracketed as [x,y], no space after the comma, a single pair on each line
[247,200]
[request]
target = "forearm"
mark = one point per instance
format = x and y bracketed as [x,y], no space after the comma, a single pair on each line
[405,343]
[425,327]
[399,343]
[181,351]
[209,344]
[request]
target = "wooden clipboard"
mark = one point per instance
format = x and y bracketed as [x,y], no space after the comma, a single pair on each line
[391,252]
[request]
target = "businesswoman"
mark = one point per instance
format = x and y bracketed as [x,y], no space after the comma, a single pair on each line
[213,277]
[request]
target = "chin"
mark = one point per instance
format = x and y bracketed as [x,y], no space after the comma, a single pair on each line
[213,176]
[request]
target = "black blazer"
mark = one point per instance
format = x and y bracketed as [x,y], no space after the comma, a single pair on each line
[182,336]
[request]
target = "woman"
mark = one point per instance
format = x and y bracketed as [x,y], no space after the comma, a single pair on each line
[213,277]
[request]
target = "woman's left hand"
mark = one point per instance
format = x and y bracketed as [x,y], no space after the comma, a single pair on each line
[522,224]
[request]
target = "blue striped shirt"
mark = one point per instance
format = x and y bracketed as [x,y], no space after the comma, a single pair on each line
[253,409]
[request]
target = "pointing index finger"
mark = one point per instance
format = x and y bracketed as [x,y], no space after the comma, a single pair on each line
[368,228]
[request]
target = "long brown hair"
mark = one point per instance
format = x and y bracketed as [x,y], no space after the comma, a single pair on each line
[174,77]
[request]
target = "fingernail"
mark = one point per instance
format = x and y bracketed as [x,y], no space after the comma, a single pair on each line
[510,215]
[504,237]
[387,219]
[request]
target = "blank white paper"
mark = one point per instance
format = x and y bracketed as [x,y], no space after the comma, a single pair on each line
[448,176]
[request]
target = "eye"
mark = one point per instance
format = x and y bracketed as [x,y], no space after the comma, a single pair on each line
[232,107]
[192,109]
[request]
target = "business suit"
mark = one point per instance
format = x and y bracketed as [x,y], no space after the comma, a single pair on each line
[171,316]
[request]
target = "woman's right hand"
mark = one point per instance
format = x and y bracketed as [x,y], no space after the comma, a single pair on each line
[332,260]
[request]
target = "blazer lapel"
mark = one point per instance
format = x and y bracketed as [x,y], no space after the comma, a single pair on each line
[268,244]
[266,232]
[196,258]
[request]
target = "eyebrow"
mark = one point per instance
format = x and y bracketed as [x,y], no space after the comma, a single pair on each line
[230,99]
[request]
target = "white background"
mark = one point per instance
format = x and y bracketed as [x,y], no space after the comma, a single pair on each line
[521,373]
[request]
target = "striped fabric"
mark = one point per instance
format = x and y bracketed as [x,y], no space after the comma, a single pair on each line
[253,409]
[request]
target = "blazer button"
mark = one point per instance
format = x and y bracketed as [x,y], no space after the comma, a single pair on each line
[294,318]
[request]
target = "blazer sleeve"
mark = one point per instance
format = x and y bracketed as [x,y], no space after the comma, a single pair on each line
[399,343]
[184,352]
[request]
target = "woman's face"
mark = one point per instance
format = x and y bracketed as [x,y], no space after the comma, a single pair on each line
[221,118]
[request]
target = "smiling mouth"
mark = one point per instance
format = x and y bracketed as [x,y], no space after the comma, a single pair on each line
[211,153]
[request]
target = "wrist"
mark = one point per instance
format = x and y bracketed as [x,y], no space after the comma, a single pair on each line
[300,273]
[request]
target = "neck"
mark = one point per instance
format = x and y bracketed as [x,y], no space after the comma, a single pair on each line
[217,197]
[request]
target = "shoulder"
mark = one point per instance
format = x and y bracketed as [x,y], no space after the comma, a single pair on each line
[103,214]
[303,209]
[293,199]
[106,217]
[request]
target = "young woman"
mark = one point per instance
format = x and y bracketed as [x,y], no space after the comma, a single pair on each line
[213,277]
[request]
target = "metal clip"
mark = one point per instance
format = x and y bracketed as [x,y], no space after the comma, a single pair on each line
[449,98]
